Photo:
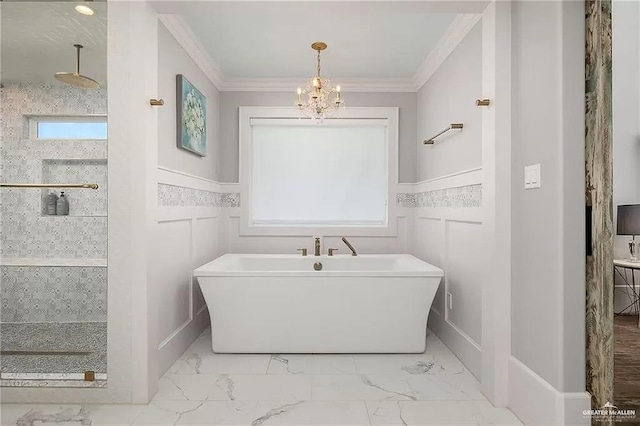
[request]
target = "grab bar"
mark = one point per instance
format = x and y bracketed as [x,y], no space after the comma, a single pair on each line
[50,185]
[452,126]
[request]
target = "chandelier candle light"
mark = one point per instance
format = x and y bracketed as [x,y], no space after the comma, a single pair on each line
[318,104]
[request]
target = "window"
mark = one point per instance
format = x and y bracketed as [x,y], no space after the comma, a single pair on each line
[336,176]
[80,127]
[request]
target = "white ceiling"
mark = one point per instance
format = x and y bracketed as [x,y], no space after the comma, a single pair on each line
[245,39]
[37,40]
[273,39]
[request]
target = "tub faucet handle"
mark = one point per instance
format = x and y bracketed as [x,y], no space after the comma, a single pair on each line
[303,250]
[331,251]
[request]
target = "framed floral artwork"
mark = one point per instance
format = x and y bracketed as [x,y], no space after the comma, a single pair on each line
[192,117]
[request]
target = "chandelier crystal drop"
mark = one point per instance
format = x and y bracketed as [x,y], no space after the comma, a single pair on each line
[319,100]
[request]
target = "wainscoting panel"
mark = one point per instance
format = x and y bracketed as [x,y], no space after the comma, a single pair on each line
[429,247]
[190,228]
[206,248]
[448,233]
[464,260]
[172,263]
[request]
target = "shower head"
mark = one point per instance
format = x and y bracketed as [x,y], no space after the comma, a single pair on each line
[75,78]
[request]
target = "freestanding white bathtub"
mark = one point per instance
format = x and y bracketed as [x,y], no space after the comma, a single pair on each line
[356,304]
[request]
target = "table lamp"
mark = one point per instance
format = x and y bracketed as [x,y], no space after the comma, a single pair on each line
[629,224]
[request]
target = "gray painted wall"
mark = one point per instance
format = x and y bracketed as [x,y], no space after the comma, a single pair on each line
[448,97]
[230,101]
[548,261]
[172,60]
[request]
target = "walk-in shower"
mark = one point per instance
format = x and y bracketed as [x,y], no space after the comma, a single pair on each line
[53,199]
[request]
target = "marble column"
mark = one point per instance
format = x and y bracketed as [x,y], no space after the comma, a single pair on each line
[599,196]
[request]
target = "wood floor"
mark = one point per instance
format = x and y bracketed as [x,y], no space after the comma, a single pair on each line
[627,363]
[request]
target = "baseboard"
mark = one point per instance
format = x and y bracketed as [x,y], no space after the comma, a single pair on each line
[536,402]
[459,343]
[178,344]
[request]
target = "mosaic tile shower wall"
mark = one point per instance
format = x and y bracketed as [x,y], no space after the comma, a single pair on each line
[60,294]
[25,231]
[44,293]
[82,202]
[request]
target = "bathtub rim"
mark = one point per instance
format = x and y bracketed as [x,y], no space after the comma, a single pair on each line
[210,269]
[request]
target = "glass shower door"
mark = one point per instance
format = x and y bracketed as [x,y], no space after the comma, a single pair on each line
[53,195]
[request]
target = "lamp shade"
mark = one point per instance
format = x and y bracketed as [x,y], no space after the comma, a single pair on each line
[629,219]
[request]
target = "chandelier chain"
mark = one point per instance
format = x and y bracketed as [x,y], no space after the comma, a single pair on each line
[318,63]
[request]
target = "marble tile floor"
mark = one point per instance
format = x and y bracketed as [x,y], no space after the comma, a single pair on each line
[203,388]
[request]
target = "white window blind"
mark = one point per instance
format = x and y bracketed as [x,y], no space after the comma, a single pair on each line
[333,174]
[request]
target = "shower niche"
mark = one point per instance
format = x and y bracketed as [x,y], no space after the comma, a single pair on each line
[82,202]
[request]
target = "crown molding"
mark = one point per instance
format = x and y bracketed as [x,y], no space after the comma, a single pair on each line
[457,31]
[290,84]
[181,31]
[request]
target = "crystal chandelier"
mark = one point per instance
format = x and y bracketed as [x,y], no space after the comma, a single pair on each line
[321,100]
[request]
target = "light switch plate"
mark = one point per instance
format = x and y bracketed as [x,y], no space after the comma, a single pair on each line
[532,177]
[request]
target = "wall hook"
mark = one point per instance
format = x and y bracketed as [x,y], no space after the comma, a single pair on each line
[483,102]
[156,102]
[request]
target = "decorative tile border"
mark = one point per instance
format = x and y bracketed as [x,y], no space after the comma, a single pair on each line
[460,197]
[180,196]
[406,199]
[469,196]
